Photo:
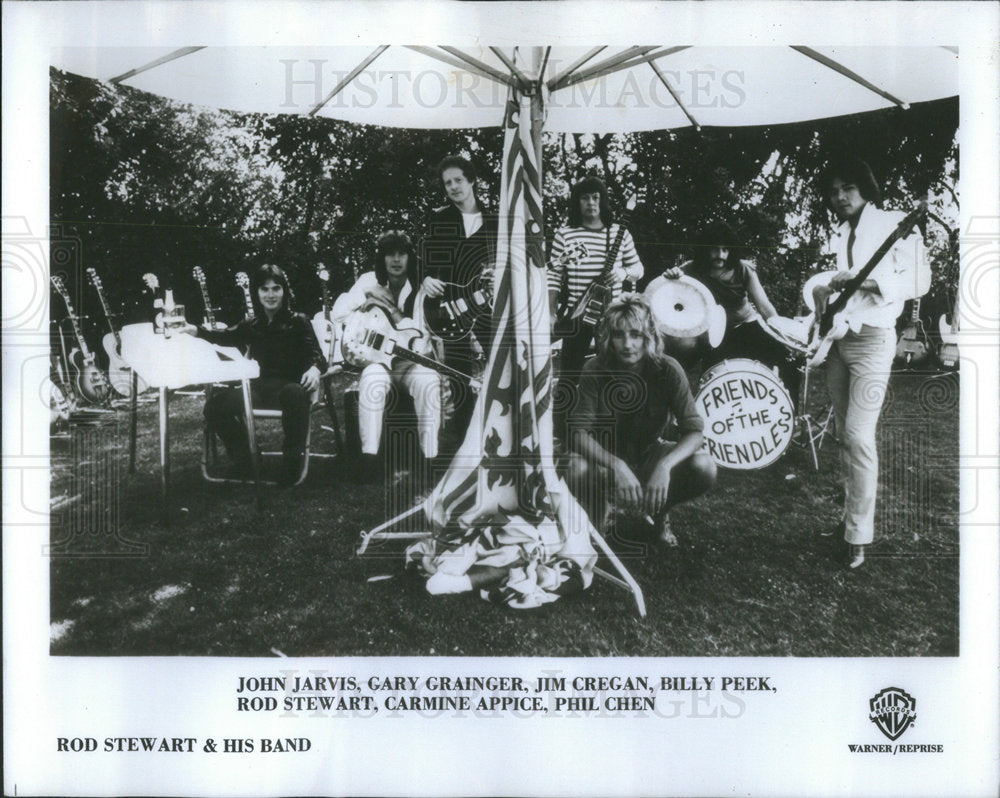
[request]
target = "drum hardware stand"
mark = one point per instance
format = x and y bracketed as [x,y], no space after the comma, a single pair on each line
[813,430]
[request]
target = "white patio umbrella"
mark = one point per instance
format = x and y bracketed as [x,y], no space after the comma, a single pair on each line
[584,90]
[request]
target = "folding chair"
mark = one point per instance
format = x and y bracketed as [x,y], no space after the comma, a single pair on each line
[322,396]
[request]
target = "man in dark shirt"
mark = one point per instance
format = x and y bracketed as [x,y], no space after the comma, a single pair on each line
[629,395]
[458,246]
[291,362]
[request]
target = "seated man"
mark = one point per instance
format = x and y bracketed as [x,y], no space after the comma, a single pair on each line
[629,394]
[391,287]
[291,363]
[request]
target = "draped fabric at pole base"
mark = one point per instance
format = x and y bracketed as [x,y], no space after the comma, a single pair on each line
[501,504]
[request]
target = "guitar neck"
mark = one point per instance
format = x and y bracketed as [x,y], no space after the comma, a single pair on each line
[915,315]
[852,285]
[209,315]
[423,360]
[107,315]
[616,245]
[73,320]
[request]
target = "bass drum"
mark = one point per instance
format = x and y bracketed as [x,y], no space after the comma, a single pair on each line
[749,416]
[688,318]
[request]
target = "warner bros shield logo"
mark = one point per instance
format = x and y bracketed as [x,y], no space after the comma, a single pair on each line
[893,710]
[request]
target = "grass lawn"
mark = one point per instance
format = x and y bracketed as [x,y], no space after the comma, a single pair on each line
[752,576]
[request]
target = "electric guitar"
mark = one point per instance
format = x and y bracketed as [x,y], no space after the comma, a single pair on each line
[322,322]
[209,322]
[453,315]
[948,353]
[62,400]
[88,380]
[913,347]
[832,324]
[370,336]
[596,297]
[244,283]
[119,372]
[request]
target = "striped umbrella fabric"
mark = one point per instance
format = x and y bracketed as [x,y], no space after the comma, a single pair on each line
[501,508]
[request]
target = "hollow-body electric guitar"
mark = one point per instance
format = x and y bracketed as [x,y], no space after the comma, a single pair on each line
[596,297]
[370,336]
[323,324]
[119,372]
[913,347]
[88,380]
[832,324]
[948,354]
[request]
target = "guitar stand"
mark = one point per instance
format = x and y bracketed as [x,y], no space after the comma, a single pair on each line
[813,430]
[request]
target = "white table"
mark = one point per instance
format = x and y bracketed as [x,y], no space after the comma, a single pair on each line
[181,360]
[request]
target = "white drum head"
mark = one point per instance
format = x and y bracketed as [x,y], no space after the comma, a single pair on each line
[682,308]
[749,417]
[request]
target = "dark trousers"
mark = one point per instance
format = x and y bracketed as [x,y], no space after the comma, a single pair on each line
[593,485]
[224,414]
[574,351]
[461,355]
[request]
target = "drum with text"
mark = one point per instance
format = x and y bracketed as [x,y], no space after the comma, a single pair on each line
[748,414]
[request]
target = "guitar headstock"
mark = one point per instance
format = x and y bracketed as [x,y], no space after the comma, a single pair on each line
[60,285]
[322,273]
[94,278]
[243,281]
[151,280]
[634,199]
[199,275]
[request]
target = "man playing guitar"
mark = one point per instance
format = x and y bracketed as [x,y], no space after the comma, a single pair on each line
[590,223]
[391,287]
[859,363]
[459,245]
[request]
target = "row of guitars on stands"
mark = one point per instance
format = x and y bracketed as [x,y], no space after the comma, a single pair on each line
[77,377]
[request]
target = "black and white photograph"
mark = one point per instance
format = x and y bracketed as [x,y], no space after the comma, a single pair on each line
[375,403]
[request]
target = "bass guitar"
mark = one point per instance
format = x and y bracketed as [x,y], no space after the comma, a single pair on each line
[370,336]
[119,372]
[88,380]
[832,324]
[244,283]
[209,322]
[913,347]
[596,297]
[948,354]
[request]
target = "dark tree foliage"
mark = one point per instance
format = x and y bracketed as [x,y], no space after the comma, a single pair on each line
[143,184]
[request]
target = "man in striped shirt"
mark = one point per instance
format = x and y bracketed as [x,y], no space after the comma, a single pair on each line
[590,223]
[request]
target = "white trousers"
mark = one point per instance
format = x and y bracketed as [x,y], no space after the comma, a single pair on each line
[857,371]
[420,382]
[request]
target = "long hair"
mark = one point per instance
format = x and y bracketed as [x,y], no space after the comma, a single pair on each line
[589,185]
[717,234]
[263,273]
[851,170]
[629,311]
[392,242]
